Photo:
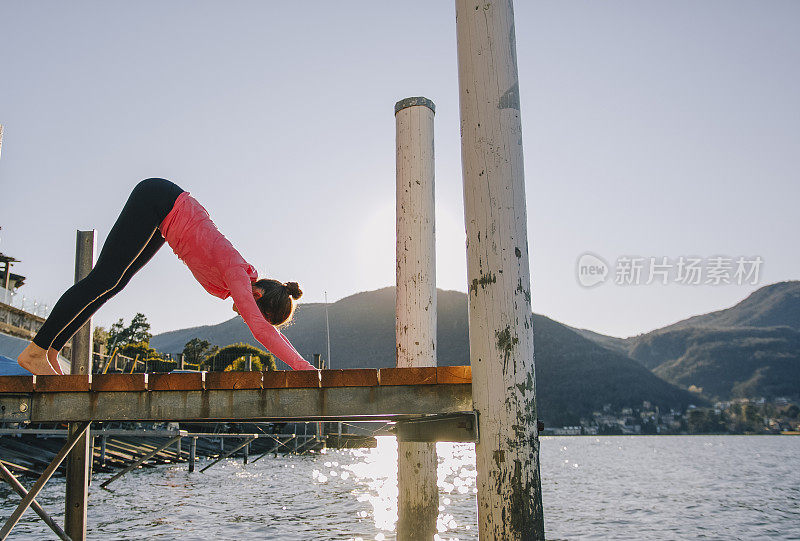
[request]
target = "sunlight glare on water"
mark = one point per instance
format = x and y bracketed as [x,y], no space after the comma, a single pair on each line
[374,474]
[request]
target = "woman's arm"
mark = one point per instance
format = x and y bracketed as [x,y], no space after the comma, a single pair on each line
[242,292]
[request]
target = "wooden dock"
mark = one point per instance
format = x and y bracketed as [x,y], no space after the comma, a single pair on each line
[429,404]
[389,394]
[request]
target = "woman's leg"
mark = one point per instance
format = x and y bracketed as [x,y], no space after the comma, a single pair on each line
[149,203]
[155,243]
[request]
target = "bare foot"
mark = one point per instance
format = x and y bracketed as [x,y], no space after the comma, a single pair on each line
[34,360]
[52,358]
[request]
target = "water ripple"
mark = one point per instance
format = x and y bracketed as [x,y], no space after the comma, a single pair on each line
[664,487]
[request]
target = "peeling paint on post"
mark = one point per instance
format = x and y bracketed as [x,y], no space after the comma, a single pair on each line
[418,493]
[500,334]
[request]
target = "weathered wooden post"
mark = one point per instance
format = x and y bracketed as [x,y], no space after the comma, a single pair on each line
[415,331]
[500,317]
[103,451]
[91,460]
[246,452]
[77,490]
[192,453]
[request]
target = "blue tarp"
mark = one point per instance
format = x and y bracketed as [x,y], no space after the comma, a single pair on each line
[9,367]
[10,348]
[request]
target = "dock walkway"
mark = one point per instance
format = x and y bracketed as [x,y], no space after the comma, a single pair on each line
[388,394]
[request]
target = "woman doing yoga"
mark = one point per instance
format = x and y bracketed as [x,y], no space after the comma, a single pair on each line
[159,211]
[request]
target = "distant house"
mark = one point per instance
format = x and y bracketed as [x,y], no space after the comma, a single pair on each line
[14,319]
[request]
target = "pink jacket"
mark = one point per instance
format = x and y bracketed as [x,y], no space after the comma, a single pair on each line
[222,271]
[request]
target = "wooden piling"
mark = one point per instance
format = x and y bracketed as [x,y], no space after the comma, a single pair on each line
[500,316]
[192,453]
[415,331]
[91,460]
[77,485]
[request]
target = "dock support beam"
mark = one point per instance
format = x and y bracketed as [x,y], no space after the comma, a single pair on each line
[19,489]
[77,489]
[80,432]
[498,273]
[418,493]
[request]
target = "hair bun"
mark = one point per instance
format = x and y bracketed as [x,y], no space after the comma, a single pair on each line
[293,288]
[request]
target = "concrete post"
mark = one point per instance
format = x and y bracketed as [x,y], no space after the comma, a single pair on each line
[415,331]
[192,453]
[77,490]
[249,363]
[500,317]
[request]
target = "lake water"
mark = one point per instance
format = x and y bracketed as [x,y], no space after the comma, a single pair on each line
[615,487]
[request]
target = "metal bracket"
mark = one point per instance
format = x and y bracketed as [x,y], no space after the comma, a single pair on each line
[15,408]
[457,427]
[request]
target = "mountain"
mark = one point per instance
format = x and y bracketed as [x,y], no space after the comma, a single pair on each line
[361,326]
[620,345]
[730,363]
[773,305]
[747,350]
[575,376]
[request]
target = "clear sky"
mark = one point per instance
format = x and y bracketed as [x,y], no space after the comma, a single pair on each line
[652,129]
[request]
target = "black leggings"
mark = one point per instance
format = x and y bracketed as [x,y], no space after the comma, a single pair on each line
[131,243]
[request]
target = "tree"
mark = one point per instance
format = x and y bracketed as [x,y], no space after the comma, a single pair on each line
[116,335]
[227,356]
[138,331]
[196,350]
[99,339]
[142,349]
[240,365]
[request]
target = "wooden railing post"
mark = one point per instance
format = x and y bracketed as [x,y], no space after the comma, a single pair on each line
[77,489]
[498,273]
[415,331]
